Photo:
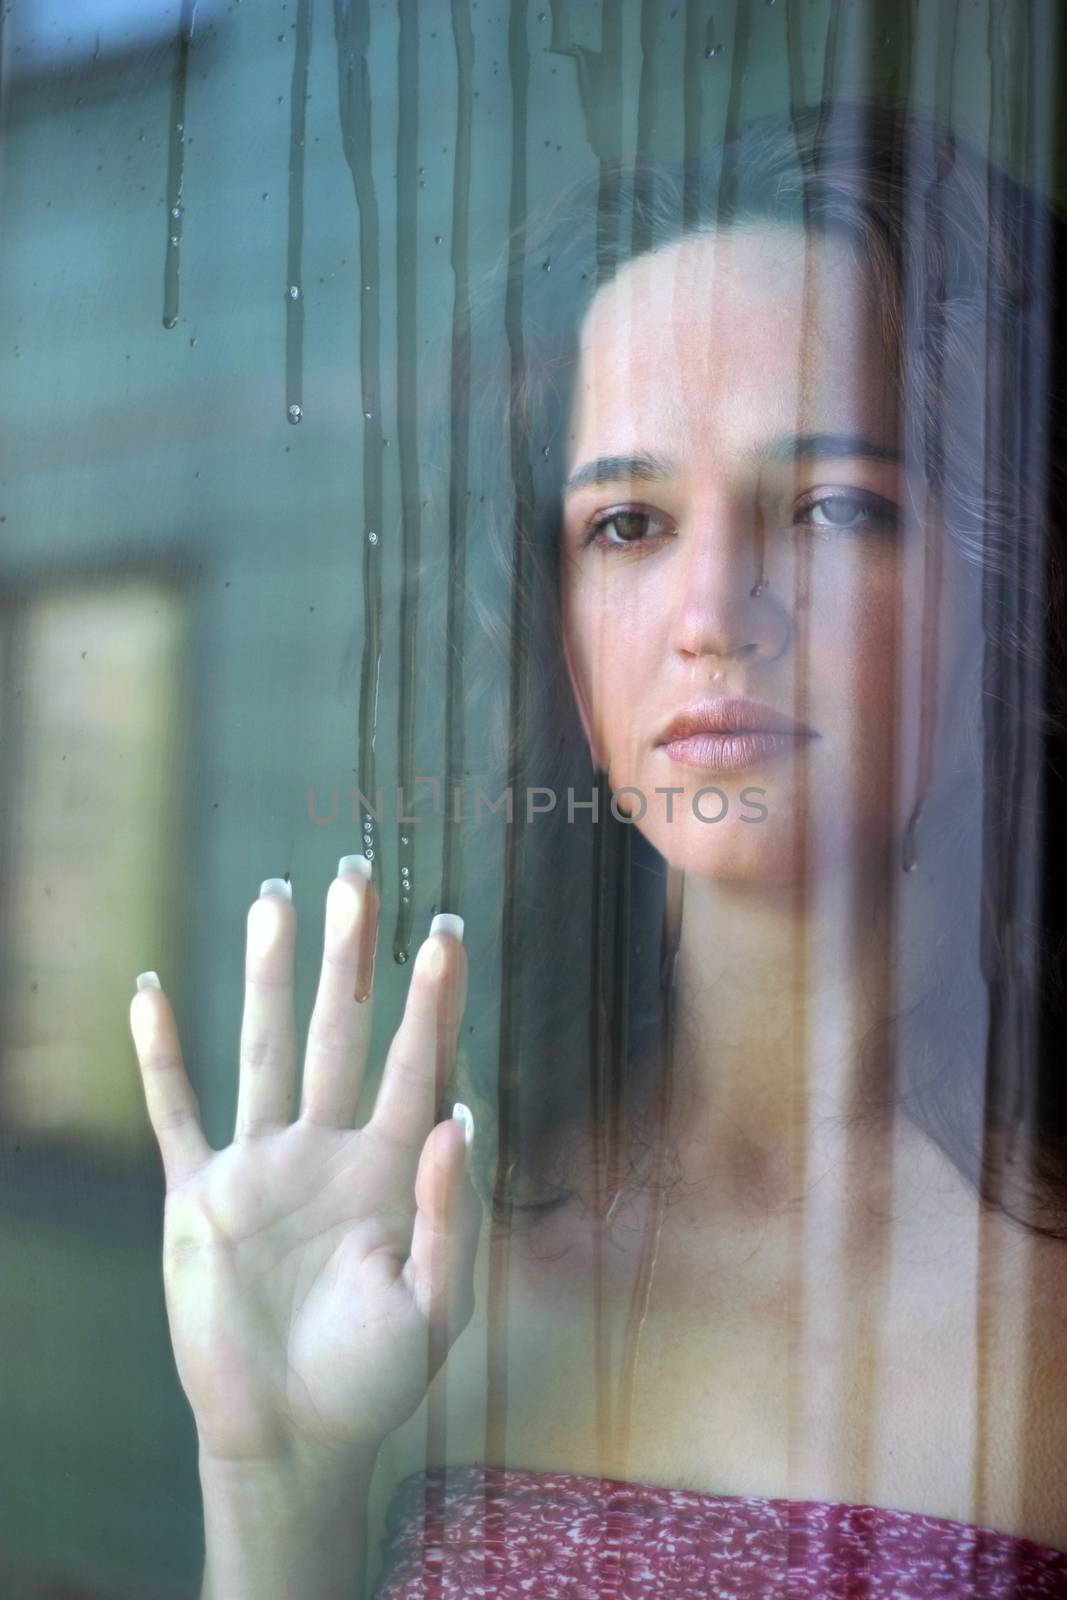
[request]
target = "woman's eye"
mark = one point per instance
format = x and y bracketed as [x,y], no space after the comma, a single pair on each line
[624,527]
[846,513]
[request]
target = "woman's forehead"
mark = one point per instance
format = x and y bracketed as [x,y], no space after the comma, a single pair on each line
[715,272]
[746,320]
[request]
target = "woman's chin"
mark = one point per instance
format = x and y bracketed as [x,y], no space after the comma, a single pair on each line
[757,854]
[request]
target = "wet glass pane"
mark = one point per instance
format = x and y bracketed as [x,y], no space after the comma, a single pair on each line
[594,473]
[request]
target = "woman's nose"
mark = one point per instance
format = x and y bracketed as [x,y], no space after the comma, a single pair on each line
[724,603]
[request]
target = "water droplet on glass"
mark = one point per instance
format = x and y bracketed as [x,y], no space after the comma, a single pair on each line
[713,50]
[404,839]
[758,588]
[192,342]
[372,537]
[545,451]
[401,957]
[175,211]
[295,413]
[437,238]
[546,266]
[174,239]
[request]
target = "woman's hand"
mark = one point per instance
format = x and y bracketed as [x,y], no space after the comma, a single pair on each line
[315,1273]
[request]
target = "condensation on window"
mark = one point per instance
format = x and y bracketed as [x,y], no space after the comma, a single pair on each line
[420,419]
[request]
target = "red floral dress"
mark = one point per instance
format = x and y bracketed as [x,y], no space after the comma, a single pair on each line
[476,1533]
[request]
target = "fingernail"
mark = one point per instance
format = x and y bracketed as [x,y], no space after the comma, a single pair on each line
[276,886]
[430,961]
[354,864]
[447,922]
[462,1113]
[148,980]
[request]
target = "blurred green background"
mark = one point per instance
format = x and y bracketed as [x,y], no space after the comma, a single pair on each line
[181,574]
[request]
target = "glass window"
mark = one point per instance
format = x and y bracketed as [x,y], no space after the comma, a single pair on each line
[530,582]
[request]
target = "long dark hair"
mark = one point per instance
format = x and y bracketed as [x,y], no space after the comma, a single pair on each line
[969,263]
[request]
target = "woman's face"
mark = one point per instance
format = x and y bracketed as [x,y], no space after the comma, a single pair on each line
[739,523]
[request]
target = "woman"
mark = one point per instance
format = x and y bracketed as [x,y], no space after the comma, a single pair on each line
[786,1307]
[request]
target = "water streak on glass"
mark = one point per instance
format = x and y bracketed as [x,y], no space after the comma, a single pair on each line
[647,110]
[600,93]
[794,53]
[797,1299]
[294,275]
[832,52]
[407,191]
[599,88]
[458,510]
[893,34]
[933,465]
[1017,479]
[176,165]
[612,946]
[713,47]
[509,1065]
[352,31]
[692,109]
[732,124]
[459,489]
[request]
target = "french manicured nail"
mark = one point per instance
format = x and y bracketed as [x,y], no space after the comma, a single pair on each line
[462,1113]
[276,886]
[355,864]
[447,922]
[148,980]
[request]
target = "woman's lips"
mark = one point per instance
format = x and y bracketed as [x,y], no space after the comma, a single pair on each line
[732,752]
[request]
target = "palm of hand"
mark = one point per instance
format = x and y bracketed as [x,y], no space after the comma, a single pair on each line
[315,1273]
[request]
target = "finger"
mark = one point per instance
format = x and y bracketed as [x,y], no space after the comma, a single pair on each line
[423,1049]
[444,1241]
[268,1027]
[340,1026]
[173,1108]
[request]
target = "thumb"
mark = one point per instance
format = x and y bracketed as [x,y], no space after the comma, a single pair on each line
[444,1241]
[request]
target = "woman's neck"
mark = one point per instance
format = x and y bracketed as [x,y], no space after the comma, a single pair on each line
[779,995]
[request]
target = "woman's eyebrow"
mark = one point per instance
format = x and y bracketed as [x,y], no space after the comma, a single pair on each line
[647,468]
[828,446]
[640,468]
